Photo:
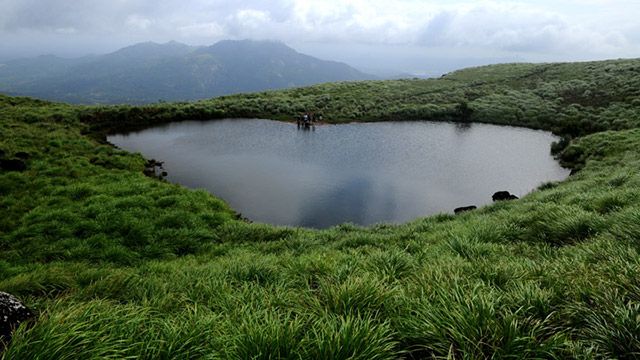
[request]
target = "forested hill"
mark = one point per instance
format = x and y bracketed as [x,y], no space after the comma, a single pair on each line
[149,72]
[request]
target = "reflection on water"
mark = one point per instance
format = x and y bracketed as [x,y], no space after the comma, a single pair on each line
[274,172]
[347,202]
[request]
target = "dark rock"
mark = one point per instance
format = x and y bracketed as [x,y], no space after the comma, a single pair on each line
[13,165]
[239,216]
[503,195]
[22,155]
[465,208]
[152,168]
[154,163]
[12,314]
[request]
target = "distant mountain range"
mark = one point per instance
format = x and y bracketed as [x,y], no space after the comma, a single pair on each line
[151,72]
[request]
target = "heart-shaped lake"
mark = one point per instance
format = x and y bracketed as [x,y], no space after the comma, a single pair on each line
[275,172]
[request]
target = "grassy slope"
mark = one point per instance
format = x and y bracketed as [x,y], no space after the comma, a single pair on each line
[118,264]
[568,99]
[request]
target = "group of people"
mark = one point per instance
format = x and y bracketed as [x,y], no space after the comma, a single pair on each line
[308,118]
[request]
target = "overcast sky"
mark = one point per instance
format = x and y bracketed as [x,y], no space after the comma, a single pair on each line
[418,36]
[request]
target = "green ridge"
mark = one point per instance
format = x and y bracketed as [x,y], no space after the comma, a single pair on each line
[120,265]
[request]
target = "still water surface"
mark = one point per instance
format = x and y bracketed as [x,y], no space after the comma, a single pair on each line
[272,172]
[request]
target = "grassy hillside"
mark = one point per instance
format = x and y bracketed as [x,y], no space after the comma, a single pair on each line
[118,264]
[570,99]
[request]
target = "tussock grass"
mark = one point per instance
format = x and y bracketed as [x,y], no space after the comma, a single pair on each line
[119,265]
[351,337]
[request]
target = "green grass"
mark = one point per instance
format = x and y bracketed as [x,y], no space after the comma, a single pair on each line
[571,99]
[120,265]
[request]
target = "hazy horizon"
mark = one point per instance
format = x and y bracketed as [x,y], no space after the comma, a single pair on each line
[406,36]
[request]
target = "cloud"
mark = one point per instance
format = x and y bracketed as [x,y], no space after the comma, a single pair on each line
[525,26]
[515,28]
[139,22]
[518,28]
[208,29]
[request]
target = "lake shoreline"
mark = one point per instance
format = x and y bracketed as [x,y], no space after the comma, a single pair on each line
[200,169]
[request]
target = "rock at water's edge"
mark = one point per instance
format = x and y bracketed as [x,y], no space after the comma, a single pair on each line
[464,209]
[503,195]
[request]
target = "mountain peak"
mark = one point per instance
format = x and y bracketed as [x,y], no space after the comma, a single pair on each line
[148,71]
[153,49]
